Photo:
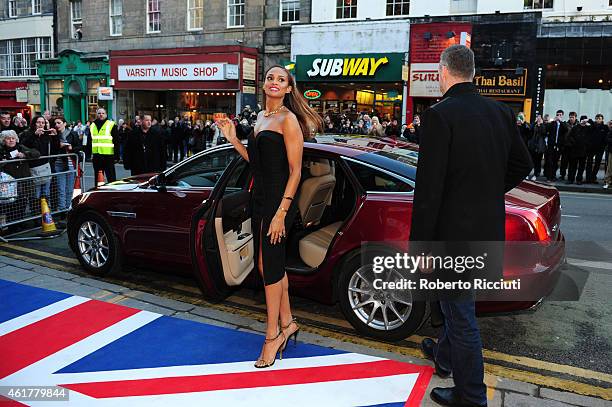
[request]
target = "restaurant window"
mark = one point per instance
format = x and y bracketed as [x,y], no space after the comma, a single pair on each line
[153,16]
[235,13]
[116,17]
[398,7]
[290,11]
[55,96]
[346,9]
[76,17]
[537,4]
[195,14]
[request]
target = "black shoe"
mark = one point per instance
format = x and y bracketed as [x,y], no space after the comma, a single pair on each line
[449,397]
[427,346]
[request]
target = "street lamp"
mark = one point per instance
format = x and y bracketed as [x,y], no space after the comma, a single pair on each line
[159,108]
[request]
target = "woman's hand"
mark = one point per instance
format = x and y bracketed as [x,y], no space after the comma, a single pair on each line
[228,129]
[20,155]
[277,228]
[39,131]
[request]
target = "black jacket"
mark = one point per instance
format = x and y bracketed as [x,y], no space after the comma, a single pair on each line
[17,169]
[537,141]
[470,155]
[73,139]
[577,140]
[42,143]
[610,141]
[598,137]
[552,142]
[144,152]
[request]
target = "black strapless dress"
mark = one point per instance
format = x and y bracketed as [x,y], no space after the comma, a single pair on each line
[270,168]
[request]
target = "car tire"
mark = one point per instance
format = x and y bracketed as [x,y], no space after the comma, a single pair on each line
[95,245]
[353,292]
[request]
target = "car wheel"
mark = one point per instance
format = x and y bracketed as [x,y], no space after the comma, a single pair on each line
[95,245]
[381,314]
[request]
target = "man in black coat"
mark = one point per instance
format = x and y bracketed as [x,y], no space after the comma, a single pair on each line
[576,147]
[145,149]
[556,134]
[470,155]
[597,141]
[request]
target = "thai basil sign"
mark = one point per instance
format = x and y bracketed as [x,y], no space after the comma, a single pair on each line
[501,82]
[350,68]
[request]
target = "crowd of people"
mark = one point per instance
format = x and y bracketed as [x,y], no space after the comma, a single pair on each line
[372,125]
[570,151]
[38,150]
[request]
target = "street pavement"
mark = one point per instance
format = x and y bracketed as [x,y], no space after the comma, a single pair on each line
[160,353]
[559,346]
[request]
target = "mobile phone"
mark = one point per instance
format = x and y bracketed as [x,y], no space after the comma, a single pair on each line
[20,115]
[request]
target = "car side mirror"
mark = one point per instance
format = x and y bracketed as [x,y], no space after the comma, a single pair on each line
[158,182]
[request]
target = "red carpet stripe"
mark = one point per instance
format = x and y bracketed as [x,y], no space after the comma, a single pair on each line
[233,381]
[36,341]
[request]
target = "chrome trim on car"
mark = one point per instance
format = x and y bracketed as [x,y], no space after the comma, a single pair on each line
[129,215]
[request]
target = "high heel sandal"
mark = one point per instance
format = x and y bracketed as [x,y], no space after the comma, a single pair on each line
[279,349]
[294,334]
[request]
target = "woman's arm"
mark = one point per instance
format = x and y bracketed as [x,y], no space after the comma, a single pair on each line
[228,129]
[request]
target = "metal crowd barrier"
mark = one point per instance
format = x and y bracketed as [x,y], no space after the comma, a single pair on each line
[21,198]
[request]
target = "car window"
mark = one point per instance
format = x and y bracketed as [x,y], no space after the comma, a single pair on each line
[203,170]
[374,180]
[239,178]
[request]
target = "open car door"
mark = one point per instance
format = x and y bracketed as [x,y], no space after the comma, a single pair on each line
[222,239]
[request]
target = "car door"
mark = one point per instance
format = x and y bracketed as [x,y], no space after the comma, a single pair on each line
[160,232]
[222,239]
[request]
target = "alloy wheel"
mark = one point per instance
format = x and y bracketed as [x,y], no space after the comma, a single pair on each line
[93,244]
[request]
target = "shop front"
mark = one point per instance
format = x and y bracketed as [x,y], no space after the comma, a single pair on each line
[70,85]
[352,83]
[506,85]
[11,99]
[185,82]
[427,41]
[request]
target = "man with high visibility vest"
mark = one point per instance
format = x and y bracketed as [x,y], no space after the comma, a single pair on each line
[103,133]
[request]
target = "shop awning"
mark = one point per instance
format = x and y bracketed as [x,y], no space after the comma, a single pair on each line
[10,103]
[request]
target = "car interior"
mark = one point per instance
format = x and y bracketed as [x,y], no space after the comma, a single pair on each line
[326,199]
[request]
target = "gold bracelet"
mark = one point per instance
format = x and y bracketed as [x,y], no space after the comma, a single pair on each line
[282,209]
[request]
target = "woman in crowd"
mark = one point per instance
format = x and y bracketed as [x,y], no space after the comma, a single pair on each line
[67,142]
[12,156]
[39,137]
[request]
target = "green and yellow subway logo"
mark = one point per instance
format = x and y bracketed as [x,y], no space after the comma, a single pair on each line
[335,67]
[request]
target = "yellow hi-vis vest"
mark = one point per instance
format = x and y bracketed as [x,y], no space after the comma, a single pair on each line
[101,140]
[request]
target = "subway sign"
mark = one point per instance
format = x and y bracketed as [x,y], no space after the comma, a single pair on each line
[383,67]
[312,94]
[501,82]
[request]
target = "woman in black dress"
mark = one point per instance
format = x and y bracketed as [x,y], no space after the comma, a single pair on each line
[274,154]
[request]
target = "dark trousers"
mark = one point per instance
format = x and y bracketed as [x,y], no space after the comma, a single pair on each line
[177,151]
[593,162]
[105,163]
[459,349]
[564,164]
[550,163]
[576,164]
[537,163]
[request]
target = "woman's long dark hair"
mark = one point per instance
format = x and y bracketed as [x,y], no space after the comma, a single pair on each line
[310,121]
[33,123]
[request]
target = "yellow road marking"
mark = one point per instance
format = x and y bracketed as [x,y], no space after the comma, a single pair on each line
[41,253]
[35,261]
[501,371]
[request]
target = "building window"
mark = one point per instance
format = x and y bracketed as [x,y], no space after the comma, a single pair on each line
[12,8]
[75,18]
[153,16]
[290,11]
[235,13]
[398,7]
[18,57]
[36,9]
[195,14]
[538,4]
[116,17]
[346,9]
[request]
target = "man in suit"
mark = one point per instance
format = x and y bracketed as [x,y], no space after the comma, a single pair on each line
[555,145]
[470,155]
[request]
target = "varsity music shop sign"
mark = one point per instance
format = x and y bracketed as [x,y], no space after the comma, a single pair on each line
[172,72]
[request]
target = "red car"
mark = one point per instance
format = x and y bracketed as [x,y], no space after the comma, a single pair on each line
[195,216]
